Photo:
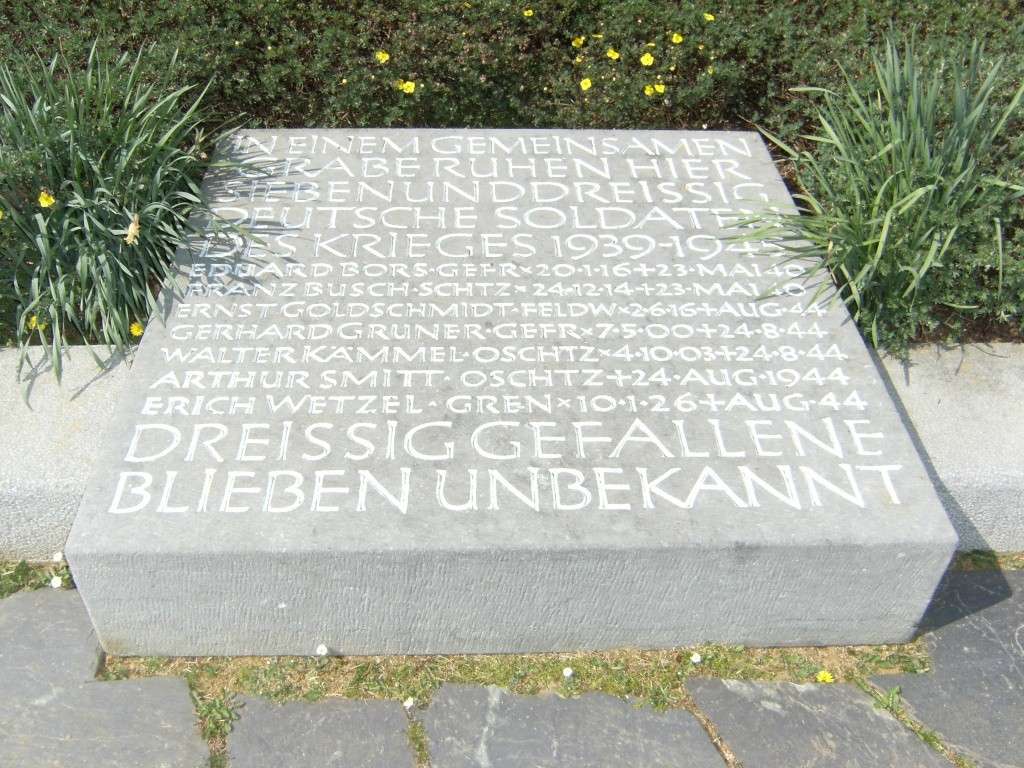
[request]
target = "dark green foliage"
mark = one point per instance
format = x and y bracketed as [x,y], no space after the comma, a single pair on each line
[482,63]
[911,197]
[15,577]
[288,63]
[99,171]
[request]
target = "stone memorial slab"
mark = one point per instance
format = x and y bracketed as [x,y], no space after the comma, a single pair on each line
[470,726]
[781,725]
[496,391]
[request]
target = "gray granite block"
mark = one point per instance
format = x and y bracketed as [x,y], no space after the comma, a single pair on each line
[974,695]
[122,724]
[784,725]
[399,421]
[476,727]
[332,733]
[46,640]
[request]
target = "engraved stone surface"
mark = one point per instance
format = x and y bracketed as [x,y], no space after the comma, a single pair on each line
[470,726]
[471,391]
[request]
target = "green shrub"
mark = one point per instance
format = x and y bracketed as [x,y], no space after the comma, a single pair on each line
[476,63]
[902,203]
[482,63]
[98,176]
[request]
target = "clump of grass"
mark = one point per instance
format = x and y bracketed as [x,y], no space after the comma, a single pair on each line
[891,701]
[15,577]
[216,715]
[417,736]
[655,677]
[99,174]
[900,201]
[987,560]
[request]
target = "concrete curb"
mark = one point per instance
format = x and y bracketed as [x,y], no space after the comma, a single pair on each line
[48,435]
[964,403]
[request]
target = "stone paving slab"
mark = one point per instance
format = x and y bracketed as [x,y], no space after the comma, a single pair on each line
[975,696]
[46,639]
[785,725]
[54,714]
[121,724]
[476,727]
[333,733]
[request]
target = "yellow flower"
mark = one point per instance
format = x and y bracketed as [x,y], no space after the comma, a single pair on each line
[406,86]
[578,60]
[136,329]
[528,12]
[824,676]
[659,87]
[648,90]
[32,323]
[46,200]
[1,214]
[647,59]
[612,54]
[700,46]
[585,84]
[709,17]
[677,38]
[711,70]
[577,42]
[382,57]
[132,235]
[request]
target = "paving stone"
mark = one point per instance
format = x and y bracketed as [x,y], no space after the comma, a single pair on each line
[46,639]
[122,724]
[333,733]
[54,714]
[784,725]
[975,695]
[476,727]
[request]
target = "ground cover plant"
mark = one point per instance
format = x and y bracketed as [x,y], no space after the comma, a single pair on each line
[561,63]
[99,173]
[16,577]
[902,202]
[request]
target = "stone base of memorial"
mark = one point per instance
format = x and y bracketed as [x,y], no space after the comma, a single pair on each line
[501,391]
